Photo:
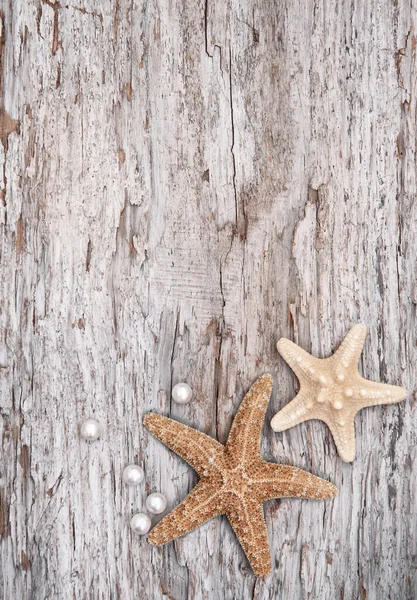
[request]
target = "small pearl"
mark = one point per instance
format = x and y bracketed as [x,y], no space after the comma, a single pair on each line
[322,379]
[298,359]
[182,393]
[90,430]
[133,475]
[140,523]
[312,371]
[348,392]
[363,392]
[338,405]
[156,503]
[342,423]
[341,377]
[345,364]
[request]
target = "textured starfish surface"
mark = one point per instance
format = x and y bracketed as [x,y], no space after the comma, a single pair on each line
[332,390]
[234,480]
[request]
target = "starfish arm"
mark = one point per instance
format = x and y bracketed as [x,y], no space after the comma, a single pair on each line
[245,434]
[293,413]
[304,365]
[201,505]
[196,448]
[343,431]
[371,393]
[246,516]
[350,350]
[282,481]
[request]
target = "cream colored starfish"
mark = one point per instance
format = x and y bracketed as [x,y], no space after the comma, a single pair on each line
[332,390]
[234,480]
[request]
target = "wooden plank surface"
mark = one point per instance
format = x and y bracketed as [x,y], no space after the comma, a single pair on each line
[183,183]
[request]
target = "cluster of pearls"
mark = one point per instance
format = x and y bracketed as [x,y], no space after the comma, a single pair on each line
[155,503]
[134,474]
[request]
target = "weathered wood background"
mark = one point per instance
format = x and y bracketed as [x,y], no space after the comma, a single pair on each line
[183,183]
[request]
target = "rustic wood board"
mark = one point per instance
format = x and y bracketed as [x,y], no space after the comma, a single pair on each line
[183,183]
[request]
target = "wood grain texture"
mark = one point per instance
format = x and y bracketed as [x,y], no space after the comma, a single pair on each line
[183,183]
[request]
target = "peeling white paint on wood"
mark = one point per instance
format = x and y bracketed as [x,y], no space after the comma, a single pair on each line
[183,184]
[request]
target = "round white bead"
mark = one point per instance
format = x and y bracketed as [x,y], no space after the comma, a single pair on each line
[156,503]
[133,475]
[182,393]
[90,430]
[140,523]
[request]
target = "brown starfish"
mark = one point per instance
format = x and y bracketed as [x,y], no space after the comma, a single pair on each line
[234,480]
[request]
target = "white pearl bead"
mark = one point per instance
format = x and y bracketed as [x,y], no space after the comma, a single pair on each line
[140,523]
[133,475]
[156,503]
[90,430]
[182,393]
